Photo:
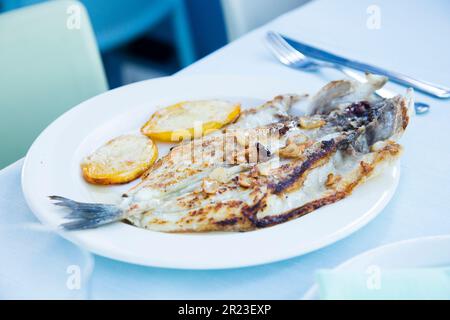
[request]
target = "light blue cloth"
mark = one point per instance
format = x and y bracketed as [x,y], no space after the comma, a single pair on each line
[395,284]
[421,205]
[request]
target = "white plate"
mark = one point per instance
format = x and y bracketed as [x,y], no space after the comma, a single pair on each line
[52,168]
[425,252]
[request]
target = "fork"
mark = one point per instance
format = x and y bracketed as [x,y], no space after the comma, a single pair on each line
[293,58]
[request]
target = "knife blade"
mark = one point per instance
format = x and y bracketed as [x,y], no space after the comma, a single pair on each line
[316,53]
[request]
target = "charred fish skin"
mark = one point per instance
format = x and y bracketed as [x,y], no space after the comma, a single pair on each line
[343,147]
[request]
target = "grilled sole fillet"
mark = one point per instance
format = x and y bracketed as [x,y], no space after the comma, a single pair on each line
[267,168]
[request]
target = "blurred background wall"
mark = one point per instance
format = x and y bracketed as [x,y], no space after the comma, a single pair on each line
[242,16]
[137,40]
[148,47]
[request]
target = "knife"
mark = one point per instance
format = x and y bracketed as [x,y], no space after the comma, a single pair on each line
[424,86]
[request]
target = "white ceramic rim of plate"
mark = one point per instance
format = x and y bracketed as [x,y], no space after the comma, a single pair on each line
[232,250]
[313,291]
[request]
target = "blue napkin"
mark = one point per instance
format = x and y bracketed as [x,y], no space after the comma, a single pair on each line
[376,283]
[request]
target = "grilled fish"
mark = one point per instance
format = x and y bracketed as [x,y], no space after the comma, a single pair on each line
[267,168]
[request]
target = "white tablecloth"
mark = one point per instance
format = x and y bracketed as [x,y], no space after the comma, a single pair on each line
[413,38]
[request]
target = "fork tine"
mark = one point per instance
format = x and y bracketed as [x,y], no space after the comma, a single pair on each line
[286,52]
[279,51]
[294,55]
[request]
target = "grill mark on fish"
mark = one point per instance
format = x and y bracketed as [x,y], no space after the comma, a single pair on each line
[327,148]
[366,170]
[282,131]
[227,222]
[298,212]
[250,211]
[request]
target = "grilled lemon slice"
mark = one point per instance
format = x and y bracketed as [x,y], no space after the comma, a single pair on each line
[190,119]
[120,160]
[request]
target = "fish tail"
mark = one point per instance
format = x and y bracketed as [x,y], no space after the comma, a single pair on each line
[87,215]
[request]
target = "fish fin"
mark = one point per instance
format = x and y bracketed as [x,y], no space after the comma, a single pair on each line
[410,102]
[87,215]
[340,93]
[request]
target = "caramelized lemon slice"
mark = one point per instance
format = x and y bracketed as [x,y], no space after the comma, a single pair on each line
[190,119]
[120,160]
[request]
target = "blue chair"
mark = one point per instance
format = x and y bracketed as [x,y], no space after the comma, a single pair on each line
[117,22]
[46,68]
